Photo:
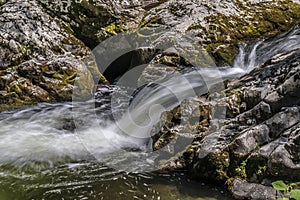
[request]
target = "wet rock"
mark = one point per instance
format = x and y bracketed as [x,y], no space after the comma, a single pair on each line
[280,156]
[170,59]
[256,137]
[40,57]
[220,26]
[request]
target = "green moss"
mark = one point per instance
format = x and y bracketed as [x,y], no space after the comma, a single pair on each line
[257,167]
[293,12]
[111,29]
[71,40]
[14,88]
[227,53]
[45,69]
[261,170]
[237,93]
[164,139]
[71,79]
[65,78]
[221,162]
[266,19]
[195,27]
[253,32]
[16,105]
[2,2]
[97,75]
[154,21]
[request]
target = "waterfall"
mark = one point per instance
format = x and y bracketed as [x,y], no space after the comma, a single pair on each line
[57,133]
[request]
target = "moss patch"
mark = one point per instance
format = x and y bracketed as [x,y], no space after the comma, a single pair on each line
[261,19]
[16,105]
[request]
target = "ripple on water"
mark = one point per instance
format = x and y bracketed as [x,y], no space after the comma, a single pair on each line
[92,180]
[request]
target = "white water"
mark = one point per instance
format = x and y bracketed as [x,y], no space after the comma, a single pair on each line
[39,134]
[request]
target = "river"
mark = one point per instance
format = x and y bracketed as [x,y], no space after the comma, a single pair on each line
[74,150]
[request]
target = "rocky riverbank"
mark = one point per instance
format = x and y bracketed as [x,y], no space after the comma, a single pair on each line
[246,135]
[42,36]
[248,131]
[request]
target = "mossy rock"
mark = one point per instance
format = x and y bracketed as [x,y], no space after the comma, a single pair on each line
[213,168]
[36,69]
[263,19]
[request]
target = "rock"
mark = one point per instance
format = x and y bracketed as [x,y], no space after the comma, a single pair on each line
[85,17]
[219,26]
[241,189]
[257,137]
[41,59]
[179,54]
[95,20]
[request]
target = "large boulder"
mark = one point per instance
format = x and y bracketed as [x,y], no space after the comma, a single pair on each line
[41,59]
[85,17]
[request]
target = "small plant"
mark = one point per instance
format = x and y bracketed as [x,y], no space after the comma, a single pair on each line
[287,188]
[261,170]
[241,170]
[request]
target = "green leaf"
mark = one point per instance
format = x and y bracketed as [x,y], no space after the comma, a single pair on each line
[280,185]
[295,194]
[283,198]
[295,184]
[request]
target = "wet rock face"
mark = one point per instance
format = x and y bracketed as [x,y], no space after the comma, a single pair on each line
[40,58]
[216,25]
[219,26]
[257,140]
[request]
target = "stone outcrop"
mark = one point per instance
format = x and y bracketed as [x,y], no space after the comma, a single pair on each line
[41,32]
[221,26]
[95,20]
[218,26]
[256,138]
[41,59]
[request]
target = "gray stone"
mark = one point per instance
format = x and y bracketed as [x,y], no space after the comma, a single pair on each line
[241,189]
[259,141]
[40,57]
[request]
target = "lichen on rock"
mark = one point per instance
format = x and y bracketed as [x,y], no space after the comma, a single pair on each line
[40,58]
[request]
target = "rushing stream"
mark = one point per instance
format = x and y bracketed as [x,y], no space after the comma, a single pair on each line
[75,151]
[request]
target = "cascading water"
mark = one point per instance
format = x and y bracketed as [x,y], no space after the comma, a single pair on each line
[168,93]
[63,140]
